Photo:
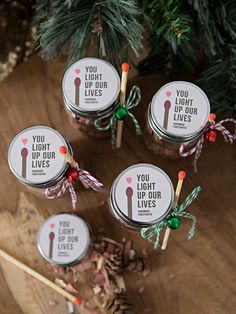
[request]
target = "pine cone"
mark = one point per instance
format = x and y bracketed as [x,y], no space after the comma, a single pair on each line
[136,265]
[114,263]
[118,304]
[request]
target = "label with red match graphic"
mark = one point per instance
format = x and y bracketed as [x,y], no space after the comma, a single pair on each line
[180,108]
[142,193]
[91,84]
[64,239]
[34,155]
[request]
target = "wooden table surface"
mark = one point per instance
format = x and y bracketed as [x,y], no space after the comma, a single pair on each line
[196,276]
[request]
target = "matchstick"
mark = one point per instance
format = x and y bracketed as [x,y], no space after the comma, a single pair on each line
[51,238]
[123,87]
[181,177]
[40,277]
[24,154]
[129,194]
[167,105]
[77,83]
[68,158]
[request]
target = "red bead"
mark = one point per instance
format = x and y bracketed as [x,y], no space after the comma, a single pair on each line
[210,136]
[73,175]
[63,149]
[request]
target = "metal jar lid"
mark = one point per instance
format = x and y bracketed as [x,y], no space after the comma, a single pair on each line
[179,111]
[142,195]
[34,157]
[91,87]
[64,240]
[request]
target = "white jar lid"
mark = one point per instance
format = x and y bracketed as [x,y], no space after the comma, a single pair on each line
[64,239]
[34,156]
[179,110]
[142,195]
[90,85]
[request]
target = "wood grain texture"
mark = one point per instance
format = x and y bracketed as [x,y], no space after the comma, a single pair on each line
[193,277]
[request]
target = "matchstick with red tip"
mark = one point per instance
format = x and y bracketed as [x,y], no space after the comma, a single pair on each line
[68,158]
[181,177]
[24,154]
[167,105]
[51,238]
[129,194]
[123,87]
[77,83]
[40,277]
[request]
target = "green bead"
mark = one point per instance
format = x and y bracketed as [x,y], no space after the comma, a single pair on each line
[121,113]
[173,223]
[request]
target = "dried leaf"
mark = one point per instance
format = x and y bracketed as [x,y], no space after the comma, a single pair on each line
[120,283]
[70,288]
[97,289]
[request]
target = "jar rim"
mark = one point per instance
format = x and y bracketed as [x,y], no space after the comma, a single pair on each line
[91,113]
[58,176]
[181,138]
[81,256]
[134,223]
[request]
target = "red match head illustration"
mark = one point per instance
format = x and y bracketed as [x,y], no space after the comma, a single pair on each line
[129,192]
[77,81]
[24,152]
[51,235]
[167,104]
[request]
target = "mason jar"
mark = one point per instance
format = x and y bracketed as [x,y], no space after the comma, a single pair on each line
[64,240]
[142,195]
[35,160]
[90,87]
[178,114]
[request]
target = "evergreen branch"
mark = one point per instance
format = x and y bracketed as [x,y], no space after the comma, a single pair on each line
[76,23]
[219,81]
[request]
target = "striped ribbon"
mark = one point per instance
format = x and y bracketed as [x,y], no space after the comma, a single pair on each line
[74,174]
[197,149]
[131,102]
[152,233]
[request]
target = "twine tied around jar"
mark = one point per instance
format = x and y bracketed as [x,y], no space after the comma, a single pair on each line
[209,136]
[120,113]
[74,174]
[172,220]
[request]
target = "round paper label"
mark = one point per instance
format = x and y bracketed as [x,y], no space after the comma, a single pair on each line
[63,239]
[91,84]
[34,155]
[143,193]
[180,108]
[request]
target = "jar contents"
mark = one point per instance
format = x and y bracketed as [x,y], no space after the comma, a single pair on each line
[35,160]
[178,114]
[90,88]
[64,240]
[141,195]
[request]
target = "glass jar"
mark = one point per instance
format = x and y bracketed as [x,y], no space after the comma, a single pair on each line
[178,114]
[35,160]
[141,196]
[90,89]
[64,240]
